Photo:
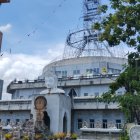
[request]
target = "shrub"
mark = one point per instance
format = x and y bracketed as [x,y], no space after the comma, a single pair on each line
[38,136]
[25,137]
[74,136]
[8,136]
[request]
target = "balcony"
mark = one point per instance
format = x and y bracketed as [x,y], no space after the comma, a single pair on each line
[63,82]
[15,105]
[92,103]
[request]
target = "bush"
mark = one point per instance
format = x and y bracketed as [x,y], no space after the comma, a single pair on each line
[25,137]
[38,136]
[74,136]
[124,136]
[8,136]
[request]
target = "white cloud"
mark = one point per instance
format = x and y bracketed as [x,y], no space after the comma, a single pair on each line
[5,28]
[22,66]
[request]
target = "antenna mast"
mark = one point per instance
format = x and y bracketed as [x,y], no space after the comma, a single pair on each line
[85,42]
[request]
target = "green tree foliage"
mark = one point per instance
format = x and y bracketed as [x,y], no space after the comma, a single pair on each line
[130,80]
[123,26]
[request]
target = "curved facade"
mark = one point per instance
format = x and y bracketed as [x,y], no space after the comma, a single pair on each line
[86,65]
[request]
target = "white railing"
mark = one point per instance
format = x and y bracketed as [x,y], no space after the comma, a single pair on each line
[15,105]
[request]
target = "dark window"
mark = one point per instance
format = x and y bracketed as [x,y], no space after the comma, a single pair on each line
[76,72]
[85,94]
[96,94]
[58,73]
[104,123]
[64,73]
[118,124]
[17,120]
[80,122]
[72,93]
[119,92]
[89,71]
[96,1]
[8,121]
[91,123]
[27,120]
[96,70]
[46,119]
[21,97]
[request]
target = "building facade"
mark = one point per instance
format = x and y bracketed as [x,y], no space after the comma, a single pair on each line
[1,88]
[83,80]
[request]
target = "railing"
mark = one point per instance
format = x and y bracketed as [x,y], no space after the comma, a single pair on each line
[100,124]
[15,105]
[64,81]
[92,103]
[81,77]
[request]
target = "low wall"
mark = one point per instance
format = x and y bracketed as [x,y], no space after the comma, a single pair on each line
[100,136]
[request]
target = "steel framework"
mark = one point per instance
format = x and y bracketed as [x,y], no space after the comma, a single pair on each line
[85,41]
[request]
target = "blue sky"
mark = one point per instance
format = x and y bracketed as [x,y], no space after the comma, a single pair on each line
[38,24]
[35,31]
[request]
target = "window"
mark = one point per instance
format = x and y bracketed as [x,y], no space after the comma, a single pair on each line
[29,96]
[17,94]
[119,92]
[85,94]
[80,122]
[114,71]
[21,97]
[26,120]
[96,94]
[91,123]
[118,124]
[8,121]
[64,73]
[96,70]
[17,120]
[76,72]
[96,1]
[72,93]
[89,71]
[104,124]
[58,73]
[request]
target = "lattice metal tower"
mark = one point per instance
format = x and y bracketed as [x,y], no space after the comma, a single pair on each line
[85,41]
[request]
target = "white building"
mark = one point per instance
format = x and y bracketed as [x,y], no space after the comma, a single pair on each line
[1,88]
[83,79]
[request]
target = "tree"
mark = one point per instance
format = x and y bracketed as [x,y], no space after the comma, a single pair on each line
[123,26]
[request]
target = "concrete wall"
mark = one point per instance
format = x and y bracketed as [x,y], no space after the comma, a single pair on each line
[58,105]
[97,115]
[84,63]
[22,115]
[26,93]
[1,88]
[80,86]
[0,40]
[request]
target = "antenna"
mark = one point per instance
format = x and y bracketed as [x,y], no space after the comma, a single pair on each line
[86,42]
